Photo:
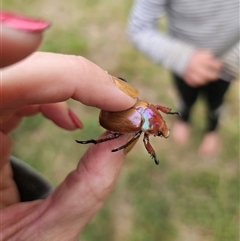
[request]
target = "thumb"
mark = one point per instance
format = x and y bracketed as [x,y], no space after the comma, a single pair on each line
[20,36]
[64,214]
[84,190]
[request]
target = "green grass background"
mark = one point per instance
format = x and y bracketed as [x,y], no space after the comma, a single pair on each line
[186,197]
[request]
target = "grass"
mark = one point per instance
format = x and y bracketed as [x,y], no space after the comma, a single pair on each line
[186,197]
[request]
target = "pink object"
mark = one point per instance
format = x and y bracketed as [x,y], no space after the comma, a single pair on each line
[24,23]
[75,120]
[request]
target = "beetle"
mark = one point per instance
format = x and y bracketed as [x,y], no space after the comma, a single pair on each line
[142,117]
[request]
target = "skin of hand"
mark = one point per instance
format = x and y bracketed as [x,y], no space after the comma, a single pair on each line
[202,68]
[42,83]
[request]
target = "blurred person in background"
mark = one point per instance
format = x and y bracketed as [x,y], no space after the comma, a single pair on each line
[200,48]
[37,82]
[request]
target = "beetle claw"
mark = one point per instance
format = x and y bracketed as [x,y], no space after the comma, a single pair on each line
[174,113]
[154,157]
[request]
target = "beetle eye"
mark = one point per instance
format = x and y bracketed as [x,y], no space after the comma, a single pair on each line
[159,133]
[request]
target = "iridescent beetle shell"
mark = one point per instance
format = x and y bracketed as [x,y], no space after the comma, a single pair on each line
[142,117]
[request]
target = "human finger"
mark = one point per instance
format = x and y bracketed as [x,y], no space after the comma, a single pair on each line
[194,80]
[59,113]
[201,75]
[195,77]
[199,80]
[211,62]
[212,68]
[208,73]
[20,36]
[70,207]
[208,66]
[49,78]
[8,189]
[214,65]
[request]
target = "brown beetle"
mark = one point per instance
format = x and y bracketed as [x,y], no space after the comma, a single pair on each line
[142,117]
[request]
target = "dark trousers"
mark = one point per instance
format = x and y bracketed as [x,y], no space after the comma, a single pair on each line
[213,93]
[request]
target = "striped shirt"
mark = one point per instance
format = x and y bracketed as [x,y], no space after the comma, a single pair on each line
[191,24]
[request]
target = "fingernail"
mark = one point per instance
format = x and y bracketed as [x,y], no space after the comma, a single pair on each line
[75,119]
[126,88]
[23,23]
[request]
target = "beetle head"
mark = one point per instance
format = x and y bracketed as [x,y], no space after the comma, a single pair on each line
[163,130]
[158,129]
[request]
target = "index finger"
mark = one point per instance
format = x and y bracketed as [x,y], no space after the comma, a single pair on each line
[49,78]
[213,64]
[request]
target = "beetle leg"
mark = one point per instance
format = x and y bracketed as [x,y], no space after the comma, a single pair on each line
[149,148]
[166,110]
[136,136]
[109,137]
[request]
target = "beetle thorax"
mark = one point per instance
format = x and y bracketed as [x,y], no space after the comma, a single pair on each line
[153,122]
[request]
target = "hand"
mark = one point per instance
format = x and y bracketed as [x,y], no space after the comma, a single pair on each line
[41,83]
[203,67]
